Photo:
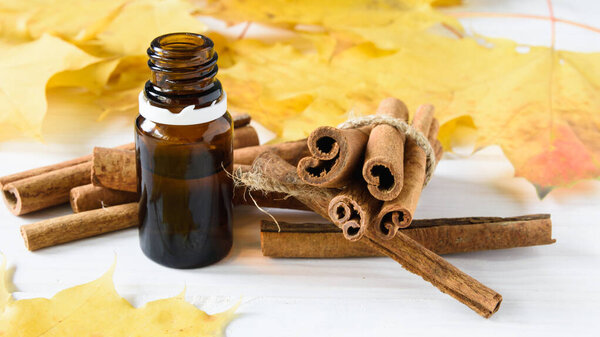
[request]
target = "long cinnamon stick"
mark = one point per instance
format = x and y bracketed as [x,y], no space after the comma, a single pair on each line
[442,236]
[383,169]
[291,152]
[88,197]
[115,169]
[89,223]
[79,225]
[398,213]
[406,251]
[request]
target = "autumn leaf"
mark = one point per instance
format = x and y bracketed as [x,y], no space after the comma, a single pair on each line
[540,105]
[96,45]
[26,69]
[95,309]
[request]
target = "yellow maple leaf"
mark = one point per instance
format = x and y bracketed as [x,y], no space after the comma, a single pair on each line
[95,309]
[538,104]
[26,69]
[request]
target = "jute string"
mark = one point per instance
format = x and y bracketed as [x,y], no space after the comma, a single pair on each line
[401,126]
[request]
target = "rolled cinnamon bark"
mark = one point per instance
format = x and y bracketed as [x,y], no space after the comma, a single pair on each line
[240,120]
[398,213]
[291,152]
[245,136]
[76,226]
[48,189]
[114,169]
[442,236]
[383,169]
[354,208]
[47,186]
[406,251]
[89,223]
[89,197]
[336,153]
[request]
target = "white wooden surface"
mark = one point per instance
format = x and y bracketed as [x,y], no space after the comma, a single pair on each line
[548,290]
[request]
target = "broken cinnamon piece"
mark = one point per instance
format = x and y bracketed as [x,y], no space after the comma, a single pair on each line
[114,169]
[89,197]
[442,236]
[406,251]
[383,168]
[398,213]
[335,155]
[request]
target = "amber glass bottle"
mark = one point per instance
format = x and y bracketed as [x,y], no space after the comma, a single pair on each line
[184,150]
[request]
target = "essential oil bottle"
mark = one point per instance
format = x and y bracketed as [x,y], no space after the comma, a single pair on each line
[183,141]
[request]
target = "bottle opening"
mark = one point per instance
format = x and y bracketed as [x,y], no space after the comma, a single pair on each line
[180,45]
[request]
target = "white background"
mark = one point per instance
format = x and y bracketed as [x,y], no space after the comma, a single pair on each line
[547,290]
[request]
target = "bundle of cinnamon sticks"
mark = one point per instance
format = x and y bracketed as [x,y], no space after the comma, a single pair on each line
[381,171]
[366,178]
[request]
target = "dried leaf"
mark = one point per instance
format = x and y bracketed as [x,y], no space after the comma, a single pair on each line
[26,68]
[540,105]
[95,309]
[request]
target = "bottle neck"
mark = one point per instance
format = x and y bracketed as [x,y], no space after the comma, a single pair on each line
[183,72]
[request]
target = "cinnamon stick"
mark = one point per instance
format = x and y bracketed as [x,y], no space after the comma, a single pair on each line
[88,197]
[383,169]
[240,120]
[442,236]
[398,213]
[47,186]
[116,169]
[89,223]
[406,251]
[291,152]
[354,208]
[335,155]
[76,226]
[245,136]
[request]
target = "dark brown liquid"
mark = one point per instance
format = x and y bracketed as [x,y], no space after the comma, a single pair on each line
[185,205]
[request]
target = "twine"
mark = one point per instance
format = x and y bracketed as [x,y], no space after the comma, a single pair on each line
[402,126]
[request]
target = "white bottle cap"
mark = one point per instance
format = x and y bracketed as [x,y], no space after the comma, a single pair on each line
[187,116]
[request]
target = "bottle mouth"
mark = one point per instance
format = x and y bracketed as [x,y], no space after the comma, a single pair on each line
[175,49]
